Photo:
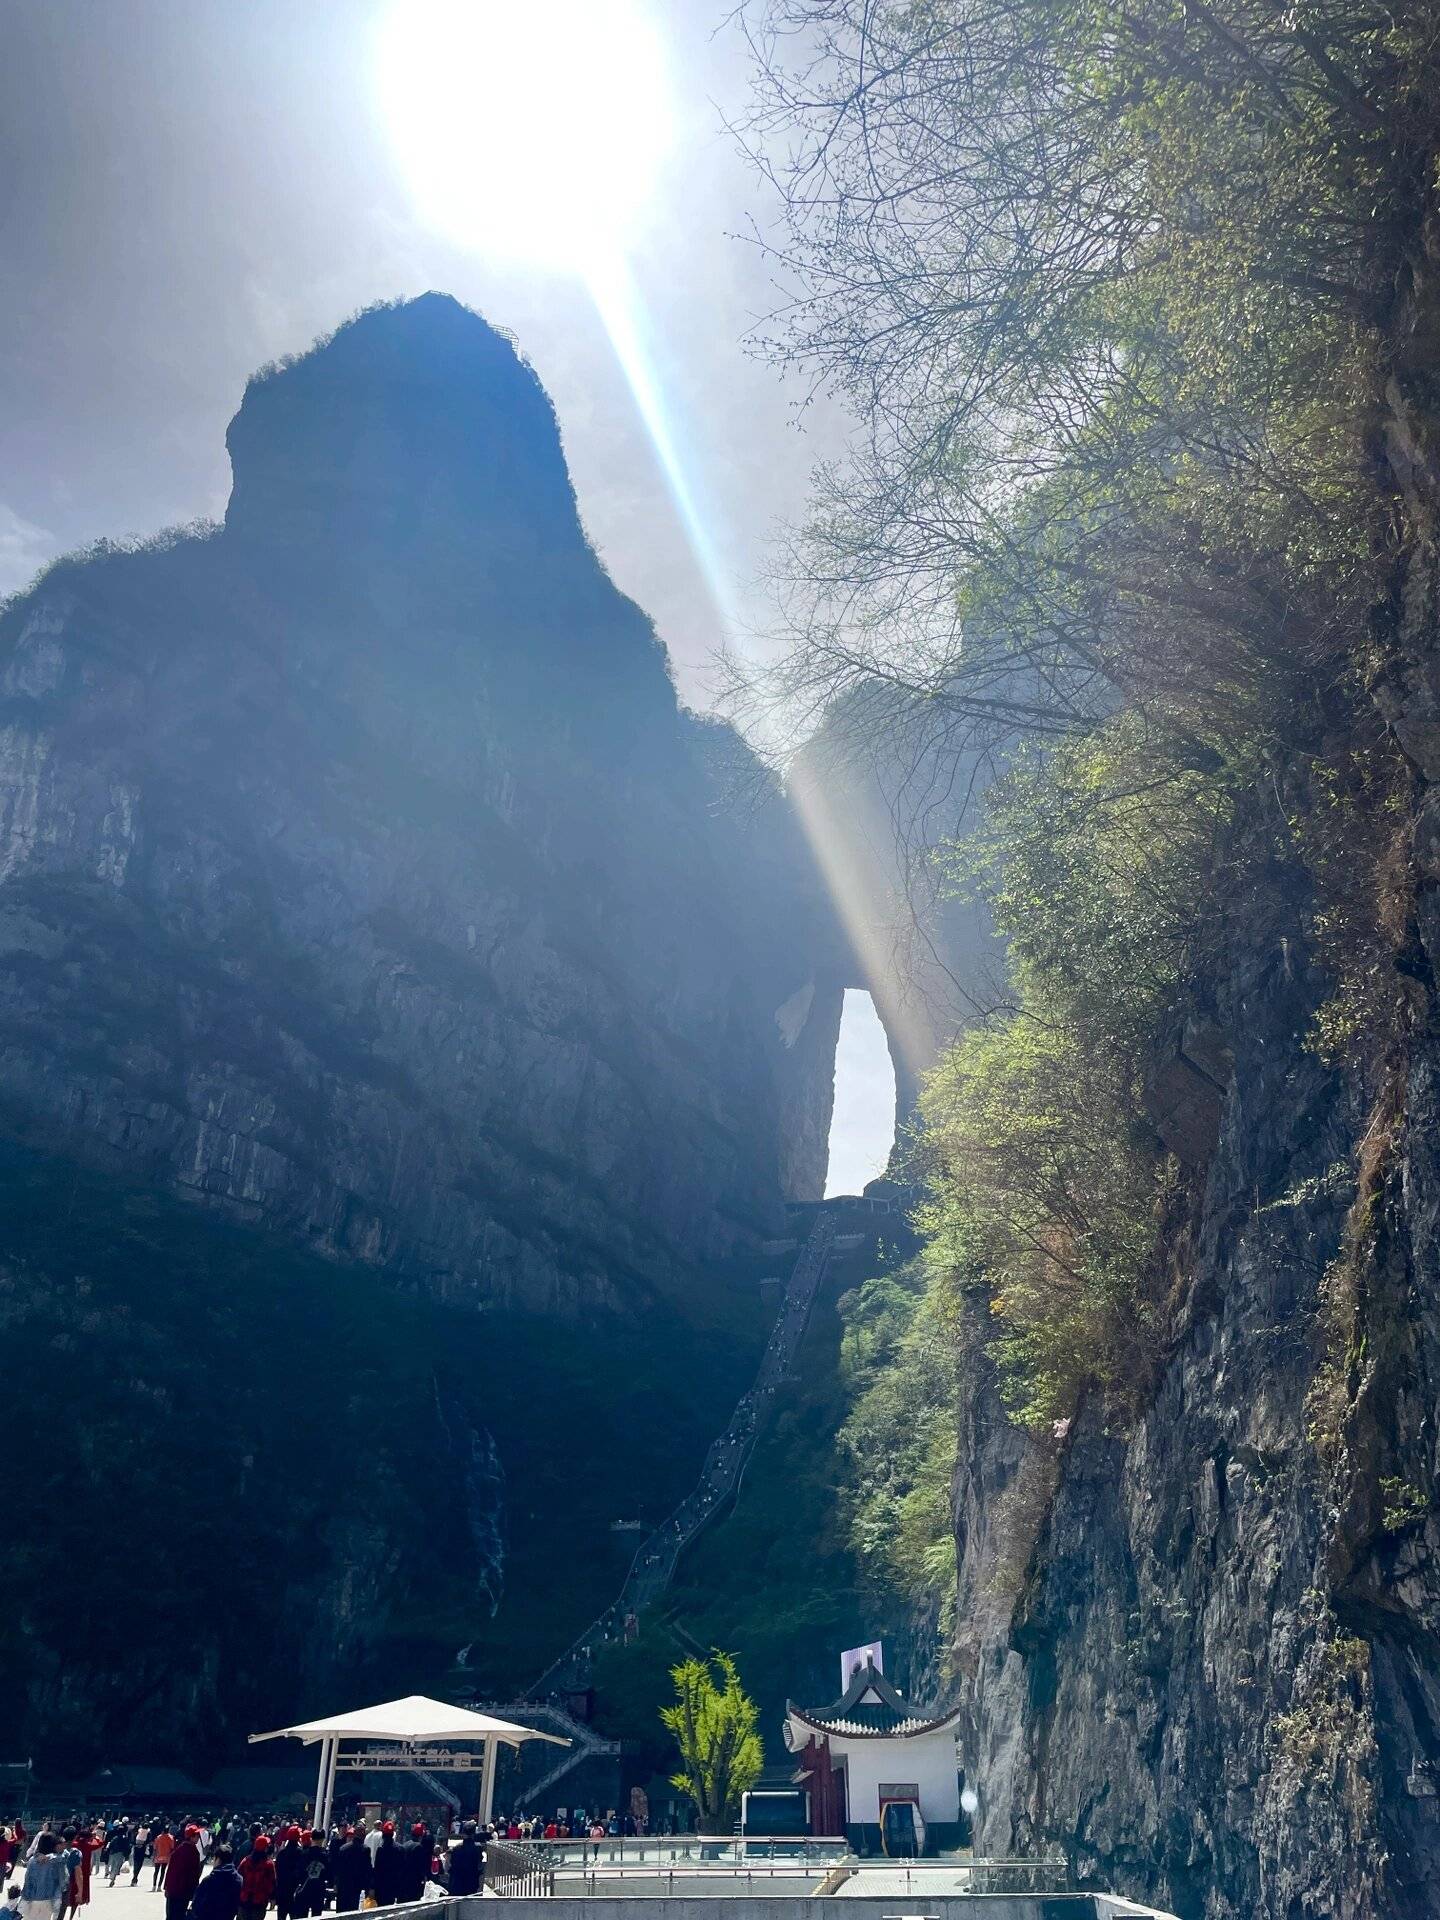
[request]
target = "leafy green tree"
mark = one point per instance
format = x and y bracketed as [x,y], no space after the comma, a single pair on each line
[715,1725]
[1134,308]
[1128,303]
[898,1441]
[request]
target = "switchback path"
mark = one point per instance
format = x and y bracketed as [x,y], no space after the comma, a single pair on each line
[653,1567]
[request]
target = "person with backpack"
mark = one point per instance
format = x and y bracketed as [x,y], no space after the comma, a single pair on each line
[314,1888]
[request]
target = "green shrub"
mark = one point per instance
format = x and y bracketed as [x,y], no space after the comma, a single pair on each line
[1049,1187]
[898,1442]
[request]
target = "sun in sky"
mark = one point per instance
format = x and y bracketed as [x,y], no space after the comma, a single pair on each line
[532,133]
[538,136]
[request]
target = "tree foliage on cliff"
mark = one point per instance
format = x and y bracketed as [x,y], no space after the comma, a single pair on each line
[898,1440]
[1049,1186]
[715,1724]
[1135,309]
[1113,294]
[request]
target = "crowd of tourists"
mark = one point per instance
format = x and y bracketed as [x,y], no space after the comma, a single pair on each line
[236,1869]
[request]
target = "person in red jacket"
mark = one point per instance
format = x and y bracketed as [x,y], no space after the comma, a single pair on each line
[182,1876]
[257,1879]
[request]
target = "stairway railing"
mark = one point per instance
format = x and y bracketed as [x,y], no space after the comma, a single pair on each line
[653,1566]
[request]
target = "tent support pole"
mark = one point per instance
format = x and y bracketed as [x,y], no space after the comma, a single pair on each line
[487,1789]
[330,1750]
[320,1781]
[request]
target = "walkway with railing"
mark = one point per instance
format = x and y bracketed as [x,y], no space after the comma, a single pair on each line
[736,1864]
[650,1852]
[657,1556]
[516,1870]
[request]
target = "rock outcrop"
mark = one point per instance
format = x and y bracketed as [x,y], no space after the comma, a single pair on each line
[1201,1656]
[358,875]
[410,1020]
[390,1080]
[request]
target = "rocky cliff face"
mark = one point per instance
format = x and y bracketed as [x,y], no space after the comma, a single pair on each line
[357,874]
[1200,1656]
[390,1083]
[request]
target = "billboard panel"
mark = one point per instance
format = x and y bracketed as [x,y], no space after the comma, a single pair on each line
[855,1658]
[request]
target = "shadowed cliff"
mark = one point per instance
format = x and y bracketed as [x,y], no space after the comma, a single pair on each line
[357,874]
[389,1077]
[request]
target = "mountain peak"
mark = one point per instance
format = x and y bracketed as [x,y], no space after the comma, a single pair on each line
[415,424]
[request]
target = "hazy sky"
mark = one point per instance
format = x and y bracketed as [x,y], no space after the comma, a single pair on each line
[864,1123]
[193,187]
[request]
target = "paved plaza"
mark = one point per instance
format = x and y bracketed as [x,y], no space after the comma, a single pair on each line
[124,1902]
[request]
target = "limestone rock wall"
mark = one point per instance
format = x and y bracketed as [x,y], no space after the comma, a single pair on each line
[357,871]
[1200,1657]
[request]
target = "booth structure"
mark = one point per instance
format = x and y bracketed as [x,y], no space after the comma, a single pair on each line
[877,1769]
[403,1735]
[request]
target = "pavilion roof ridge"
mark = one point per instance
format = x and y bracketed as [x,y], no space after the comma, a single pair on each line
[414,1719]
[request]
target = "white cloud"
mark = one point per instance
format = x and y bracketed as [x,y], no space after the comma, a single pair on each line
[24,549]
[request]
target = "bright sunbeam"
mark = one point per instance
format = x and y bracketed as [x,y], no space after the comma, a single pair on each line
[535,133]
[618,303]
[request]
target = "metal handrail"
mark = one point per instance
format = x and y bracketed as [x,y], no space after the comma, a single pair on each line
[514,1868]
[980,1876]
[693,1846]
[740,1851]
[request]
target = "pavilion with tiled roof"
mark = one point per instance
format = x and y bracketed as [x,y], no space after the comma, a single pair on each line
[877,1768]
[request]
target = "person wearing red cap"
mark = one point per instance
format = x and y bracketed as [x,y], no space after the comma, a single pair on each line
[182,1876]
[415,1858]
[257,1879]
[289,1872]
[387,1873]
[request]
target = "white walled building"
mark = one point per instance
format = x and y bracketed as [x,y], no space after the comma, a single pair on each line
[877,1768]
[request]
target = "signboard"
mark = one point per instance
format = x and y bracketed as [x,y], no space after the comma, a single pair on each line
[851,1661]
[401,1759]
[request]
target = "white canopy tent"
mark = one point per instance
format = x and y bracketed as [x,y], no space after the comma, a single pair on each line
[417,1733]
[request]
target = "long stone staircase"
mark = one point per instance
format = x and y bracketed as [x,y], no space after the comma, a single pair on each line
[658,1555]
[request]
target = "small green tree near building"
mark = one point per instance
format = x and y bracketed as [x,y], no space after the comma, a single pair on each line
[715,1723]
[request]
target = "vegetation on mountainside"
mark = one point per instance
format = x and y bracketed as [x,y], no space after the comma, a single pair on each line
[1136,313]
[1050,1188]
[898,1442]
[714,1723]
